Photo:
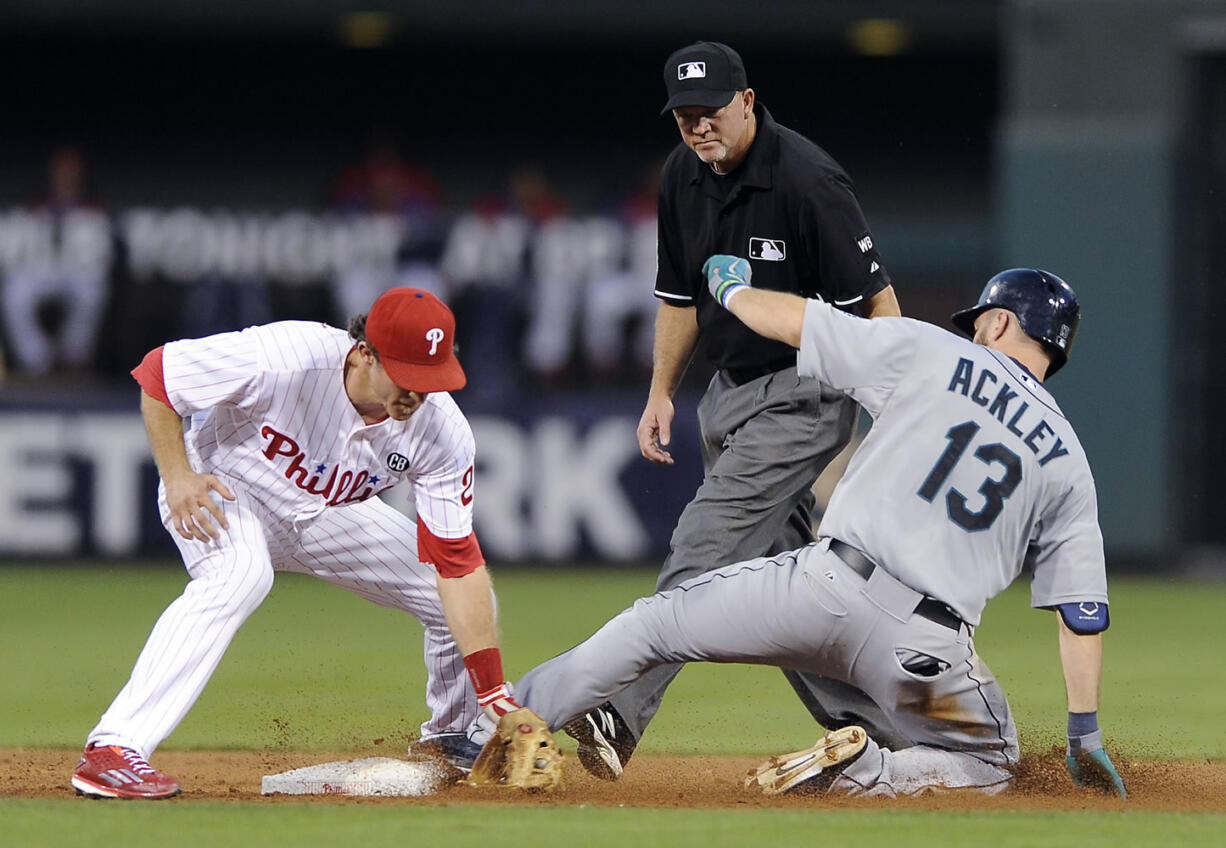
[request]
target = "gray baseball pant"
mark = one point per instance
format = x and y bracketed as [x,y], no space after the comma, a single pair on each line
[764,444]
[809,611]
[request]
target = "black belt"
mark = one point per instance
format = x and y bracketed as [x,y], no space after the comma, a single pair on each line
[929,608]
[741,376]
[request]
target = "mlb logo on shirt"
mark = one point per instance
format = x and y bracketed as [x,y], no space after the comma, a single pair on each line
[692,70]
[770,250]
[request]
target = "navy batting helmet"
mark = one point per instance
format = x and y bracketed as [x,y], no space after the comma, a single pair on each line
[1045,306]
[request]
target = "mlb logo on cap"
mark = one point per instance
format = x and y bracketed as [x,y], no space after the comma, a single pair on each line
[692,70]
[705,74]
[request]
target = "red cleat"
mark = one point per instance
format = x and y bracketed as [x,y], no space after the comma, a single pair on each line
[109,771]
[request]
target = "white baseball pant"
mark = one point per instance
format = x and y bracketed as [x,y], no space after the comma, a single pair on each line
[368,548]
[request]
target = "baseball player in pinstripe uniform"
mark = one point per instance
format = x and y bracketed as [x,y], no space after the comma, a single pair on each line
[969,474]
[294,428]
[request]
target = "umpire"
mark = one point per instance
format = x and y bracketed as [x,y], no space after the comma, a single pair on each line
[740,183]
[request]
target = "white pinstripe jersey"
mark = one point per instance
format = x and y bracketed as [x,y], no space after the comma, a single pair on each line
[269,411]
[970,472]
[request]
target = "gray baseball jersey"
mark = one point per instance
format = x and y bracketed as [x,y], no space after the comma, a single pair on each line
[969,471]
[971,435]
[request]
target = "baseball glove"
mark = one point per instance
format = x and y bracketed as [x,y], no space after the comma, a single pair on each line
[521,754]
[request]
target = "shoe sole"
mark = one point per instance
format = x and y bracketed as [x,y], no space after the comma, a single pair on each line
[464,766]
[435,752]
[780,774]
[597,756]
[93,790]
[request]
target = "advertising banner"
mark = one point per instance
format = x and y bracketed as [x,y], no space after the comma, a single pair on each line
[559,481]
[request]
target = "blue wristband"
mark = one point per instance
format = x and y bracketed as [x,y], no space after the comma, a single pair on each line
[1082,724]
[728,289]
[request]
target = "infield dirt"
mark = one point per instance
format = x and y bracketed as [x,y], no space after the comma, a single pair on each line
[650,781]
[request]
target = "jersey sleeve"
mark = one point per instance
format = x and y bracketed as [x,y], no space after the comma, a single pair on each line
[1067,553]
[836,235]
[443,493]
[673,285]
[864,357]
[219,370]
[444,499]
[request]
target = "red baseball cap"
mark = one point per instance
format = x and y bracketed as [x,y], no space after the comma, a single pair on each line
[413,332]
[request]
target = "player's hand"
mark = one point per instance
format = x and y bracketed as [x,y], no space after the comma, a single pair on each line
[655,430]
[191,505]
[1093,768]
[497,702]
[726,275]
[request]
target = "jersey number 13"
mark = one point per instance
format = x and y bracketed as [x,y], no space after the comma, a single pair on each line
[994,491]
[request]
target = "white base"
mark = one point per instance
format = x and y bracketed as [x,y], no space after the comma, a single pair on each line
[373,776]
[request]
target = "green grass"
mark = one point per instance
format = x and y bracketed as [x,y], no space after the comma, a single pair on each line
[50,824]
[317,668]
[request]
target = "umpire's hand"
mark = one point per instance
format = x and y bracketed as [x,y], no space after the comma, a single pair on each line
[655,429]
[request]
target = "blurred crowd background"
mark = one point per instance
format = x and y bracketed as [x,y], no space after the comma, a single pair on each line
[175,170]
[171,177]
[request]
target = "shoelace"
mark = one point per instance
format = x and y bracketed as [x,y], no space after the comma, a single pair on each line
[138,763]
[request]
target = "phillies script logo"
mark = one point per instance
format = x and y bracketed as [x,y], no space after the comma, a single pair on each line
[348,487]
[434,335]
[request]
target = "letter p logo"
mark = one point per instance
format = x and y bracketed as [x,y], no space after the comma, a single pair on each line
[434,335]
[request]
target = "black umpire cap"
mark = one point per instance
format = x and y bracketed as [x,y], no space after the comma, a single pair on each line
[706,73]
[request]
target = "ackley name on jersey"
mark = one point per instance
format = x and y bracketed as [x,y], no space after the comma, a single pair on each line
[346,487]
[966,383]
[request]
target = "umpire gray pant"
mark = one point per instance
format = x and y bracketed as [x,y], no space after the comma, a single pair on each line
[764,444]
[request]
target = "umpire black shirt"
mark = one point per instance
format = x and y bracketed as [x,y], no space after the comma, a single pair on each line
[790,209]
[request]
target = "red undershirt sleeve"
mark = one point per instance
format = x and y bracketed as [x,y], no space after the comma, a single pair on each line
[450,557]
[150,376]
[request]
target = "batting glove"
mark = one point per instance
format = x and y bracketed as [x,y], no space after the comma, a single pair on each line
[497,702]
[726,275]
[1089,765]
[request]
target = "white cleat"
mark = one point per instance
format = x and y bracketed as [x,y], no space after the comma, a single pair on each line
[811,771]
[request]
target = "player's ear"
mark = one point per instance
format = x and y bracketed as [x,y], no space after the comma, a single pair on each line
[747,101]
[1004,322]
